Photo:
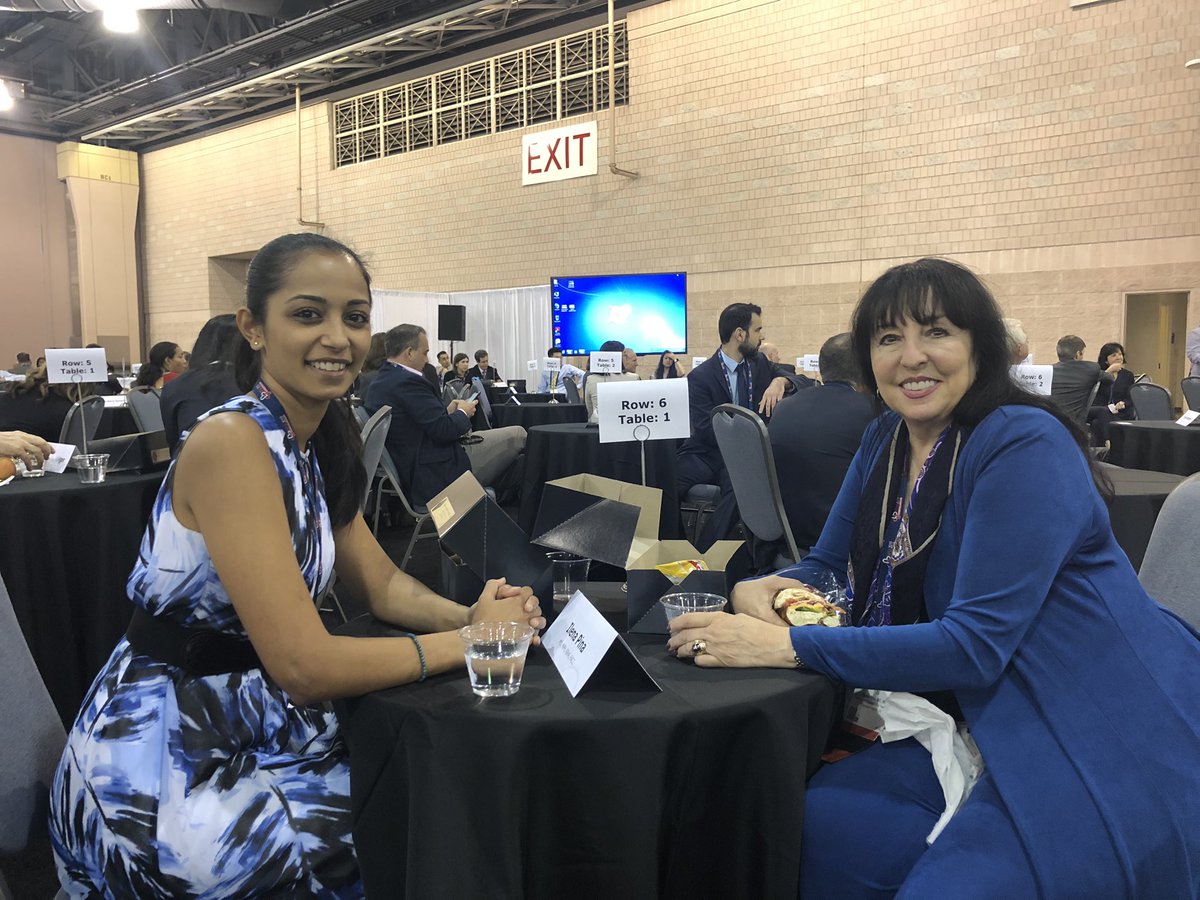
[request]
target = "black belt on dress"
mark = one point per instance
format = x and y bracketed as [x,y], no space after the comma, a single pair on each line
[198,651]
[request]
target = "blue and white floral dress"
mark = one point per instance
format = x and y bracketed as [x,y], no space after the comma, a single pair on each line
[174,785]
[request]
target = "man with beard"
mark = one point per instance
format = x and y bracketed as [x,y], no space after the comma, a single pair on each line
[736,373]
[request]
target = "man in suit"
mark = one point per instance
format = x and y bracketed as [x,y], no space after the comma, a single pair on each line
[481,370]
[736,373]
[1074,378]
[814,436]
[424,439]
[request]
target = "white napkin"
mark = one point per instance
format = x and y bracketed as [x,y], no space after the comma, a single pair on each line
[895,716]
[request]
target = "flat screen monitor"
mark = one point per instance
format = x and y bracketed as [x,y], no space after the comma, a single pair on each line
[645,312]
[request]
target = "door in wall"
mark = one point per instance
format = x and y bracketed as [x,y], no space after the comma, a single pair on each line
[1155,328]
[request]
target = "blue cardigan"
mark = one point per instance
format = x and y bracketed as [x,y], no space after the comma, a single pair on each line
[1081,692]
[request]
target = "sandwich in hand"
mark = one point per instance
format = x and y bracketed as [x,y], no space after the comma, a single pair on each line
[805,606]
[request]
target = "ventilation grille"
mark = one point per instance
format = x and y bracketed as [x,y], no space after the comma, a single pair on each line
[544,83]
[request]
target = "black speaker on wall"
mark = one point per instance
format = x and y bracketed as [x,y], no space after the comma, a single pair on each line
[452,323]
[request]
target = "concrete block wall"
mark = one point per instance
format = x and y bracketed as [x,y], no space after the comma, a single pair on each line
[788,152]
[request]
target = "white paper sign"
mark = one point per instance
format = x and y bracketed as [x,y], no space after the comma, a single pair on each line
[809,362]
[696,360]
[643,410]
[577,641]
[552,364]
[66,365]
[531,365]
[559,154]
[1035,379]
[1188,417]
[605,363]
[58,460]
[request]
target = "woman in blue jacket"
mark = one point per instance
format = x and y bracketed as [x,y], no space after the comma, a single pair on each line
[983,574]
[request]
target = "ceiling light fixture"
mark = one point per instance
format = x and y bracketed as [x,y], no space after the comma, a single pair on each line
[120,18]
[6,97]
[1193,63]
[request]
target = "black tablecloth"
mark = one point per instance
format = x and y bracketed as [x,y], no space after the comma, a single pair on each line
[1139,496]
[694,792]
[1159,446]
[67,551]
[556,451]
[527,415]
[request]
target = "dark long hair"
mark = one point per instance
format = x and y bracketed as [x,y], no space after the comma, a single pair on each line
[215,342]
[667,371]
[337,440]
[919,291]
[153,368]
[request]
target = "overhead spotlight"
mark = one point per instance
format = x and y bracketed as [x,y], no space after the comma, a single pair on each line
[120,18]
[6,97]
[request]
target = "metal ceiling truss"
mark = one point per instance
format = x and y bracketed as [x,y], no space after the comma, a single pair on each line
[333,70]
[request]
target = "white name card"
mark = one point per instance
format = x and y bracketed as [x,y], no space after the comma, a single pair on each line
[64,366]
[1188,417]
[552,364]
[59,458]
[605,363]
[531,365]
[1035,379]
[588,652]
[559,154]
[643,410]
[809,362]
[696,360]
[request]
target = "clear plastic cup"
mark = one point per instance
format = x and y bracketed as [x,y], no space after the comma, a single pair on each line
[495,653]
[91,467]
[37,471]
[570,572]
[678,604]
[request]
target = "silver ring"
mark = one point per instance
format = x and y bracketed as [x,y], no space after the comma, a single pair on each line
[699,647]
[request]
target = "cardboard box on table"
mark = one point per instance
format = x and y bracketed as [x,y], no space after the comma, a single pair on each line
[617,523]
[647,585]
[489,543]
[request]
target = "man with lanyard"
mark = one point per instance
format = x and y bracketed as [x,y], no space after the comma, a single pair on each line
[424,438]
[736,373]
[551,381]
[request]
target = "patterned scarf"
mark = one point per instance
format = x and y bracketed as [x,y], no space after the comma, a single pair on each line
[894,581]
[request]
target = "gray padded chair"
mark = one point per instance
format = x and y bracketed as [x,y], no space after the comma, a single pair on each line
[1151,402]
[1191,391]
[83,417]
[374,434]
[573,395]
[145,406]
[746,449]
[1168,571]
[29,754]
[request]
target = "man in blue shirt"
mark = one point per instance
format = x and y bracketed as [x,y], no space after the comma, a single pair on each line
[736,373]
[551,381]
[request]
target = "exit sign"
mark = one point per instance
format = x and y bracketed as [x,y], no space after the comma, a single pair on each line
[559,154]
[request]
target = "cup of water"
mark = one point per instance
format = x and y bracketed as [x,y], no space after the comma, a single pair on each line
[495,653]
[37,470]
[91,466]
[570,572]
[678,604]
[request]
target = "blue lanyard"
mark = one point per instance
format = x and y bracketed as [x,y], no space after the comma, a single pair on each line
[271,402]
[729,381]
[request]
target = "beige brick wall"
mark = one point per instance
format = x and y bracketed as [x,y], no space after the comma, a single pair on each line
[788,151]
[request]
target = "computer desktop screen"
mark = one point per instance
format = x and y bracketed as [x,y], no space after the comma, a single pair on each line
[645,312]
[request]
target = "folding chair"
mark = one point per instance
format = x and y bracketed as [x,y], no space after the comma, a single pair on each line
[746,449]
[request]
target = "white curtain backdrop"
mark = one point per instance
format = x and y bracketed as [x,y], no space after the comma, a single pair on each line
[512,324]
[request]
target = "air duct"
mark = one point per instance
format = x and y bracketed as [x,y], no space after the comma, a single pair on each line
[253,7]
